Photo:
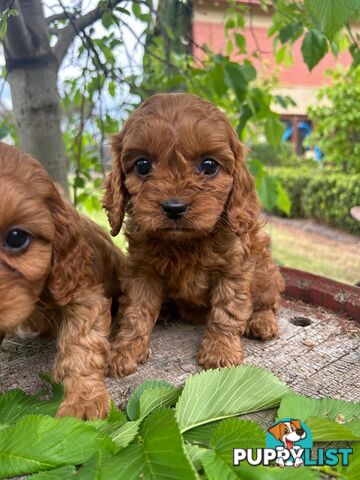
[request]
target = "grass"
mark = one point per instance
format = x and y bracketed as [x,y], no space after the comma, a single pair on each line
[296,249]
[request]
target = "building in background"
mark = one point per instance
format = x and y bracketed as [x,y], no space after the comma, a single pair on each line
[295,81]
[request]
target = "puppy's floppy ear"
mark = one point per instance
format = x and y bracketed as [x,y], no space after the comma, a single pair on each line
[243,204]
[70,250]
[115,191]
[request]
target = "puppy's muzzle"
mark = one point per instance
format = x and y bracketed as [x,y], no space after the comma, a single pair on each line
[174,208]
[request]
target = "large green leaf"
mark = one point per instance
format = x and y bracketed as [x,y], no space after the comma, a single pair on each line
[313,48]
[37,443]
[351,471]
[330,15]
[324,430]
[133,406]
[215,468]
[216,394]
[236,433]
[298,406]
[159,454]
[14,404]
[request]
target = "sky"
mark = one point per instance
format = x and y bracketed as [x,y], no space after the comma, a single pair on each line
[70,65]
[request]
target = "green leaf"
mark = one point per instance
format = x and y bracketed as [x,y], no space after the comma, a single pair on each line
[121,433]
[290,32]
[324,430]
[158,397]
[163,448]
[274,130]
[3,28]
[299,406]
[215,468]
[235,79]
[195,453]
[79,182]
[133,406]
[201,435]
[351,472]
[61,473]
[216,75]
[217,394]
[160,455]
[239,433]
[112,89]
[283,200]
[330,15]
[15,404]
[313,48]
[268,192]
[240,42]
[37,443]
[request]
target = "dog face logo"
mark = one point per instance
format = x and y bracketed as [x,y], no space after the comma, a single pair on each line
[289,437]
[288,433]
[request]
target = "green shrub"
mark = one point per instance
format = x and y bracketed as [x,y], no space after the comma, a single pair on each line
[273,156]
[330,197]
[294,182]
[283,156]
[322,195]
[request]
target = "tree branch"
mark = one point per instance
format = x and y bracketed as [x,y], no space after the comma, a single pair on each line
[58,16]
[18,41]
[67,34]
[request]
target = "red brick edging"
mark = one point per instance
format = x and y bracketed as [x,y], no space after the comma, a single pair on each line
[322,291]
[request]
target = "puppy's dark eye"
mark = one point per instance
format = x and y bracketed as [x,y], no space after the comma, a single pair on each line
[142,166]
[209,167]
[17,239]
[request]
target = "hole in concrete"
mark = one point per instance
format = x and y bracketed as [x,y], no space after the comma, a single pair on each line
[300,321]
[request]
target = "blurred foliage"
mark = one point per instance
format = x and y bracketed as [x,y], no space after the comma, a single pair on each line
[100,91]
[322,194]
[337,120]
[322,25]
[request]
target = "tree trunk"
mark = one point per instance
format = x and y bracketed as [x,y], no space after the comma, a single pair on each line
[37,115]
[32,74]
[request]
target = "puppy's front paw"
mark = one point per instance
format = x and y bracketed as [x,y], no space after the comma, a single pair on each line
[263,325]
[81,406]
[125,359]
[220,351]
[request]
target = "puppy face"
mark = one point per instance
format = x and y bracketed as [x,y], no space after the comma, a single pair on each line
[41,246]
[177,168]
[26,235]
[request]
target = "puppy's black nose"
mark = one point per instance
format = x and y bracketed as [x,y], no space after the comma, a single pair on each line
[300,431]
[174,208]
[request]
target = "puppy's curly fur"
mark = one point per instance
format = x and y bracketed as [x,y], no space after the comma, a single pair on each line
[213,261]
[60,282]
